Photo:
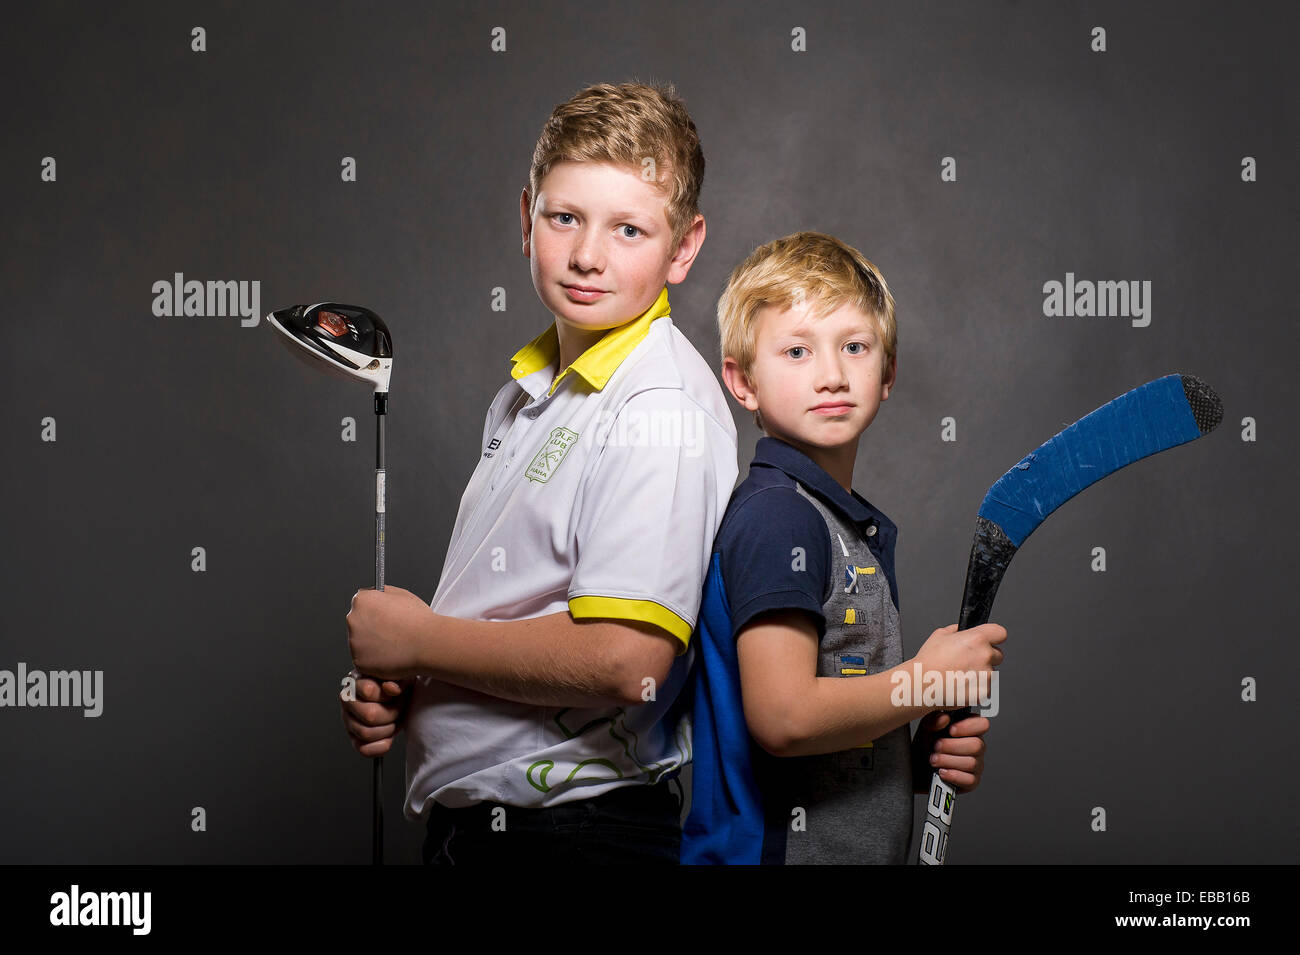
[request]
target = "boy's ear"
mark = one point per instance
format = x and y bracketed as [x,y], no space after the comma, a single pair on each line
[890,376]
[525,221]
[739,384]
[686,252]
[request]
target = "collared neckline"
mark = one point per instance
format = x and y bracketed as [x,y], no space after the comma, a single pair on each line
[598,362]
[775,453]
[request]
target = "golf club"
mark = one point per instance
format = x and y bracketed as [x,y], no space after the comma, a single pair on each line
[347,341]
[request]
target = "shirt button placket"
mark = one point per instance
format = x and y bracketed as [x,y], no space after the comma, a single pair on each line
[518,432]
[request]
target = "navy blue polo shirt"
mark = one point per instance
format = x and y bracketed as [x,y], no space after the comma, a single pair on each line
[778,549]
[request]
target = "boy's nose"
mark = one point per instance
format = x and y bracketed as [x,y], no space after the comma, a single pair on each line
[587,254]
[830,373]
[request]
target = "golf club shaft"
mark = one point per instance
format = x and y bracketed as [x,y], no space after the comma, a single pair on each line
[380,494]
[381,407]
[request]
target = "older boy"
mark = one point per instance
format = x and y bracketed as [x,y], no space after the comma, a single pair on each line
[543,673]
[800,754]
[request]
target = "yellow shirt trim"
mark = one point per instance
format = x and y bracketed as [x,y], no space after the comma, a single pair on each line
[623,608]
[599,361]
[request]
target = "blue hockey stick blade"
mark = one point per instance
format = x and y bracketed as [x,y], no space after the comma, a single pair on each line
[1154,417]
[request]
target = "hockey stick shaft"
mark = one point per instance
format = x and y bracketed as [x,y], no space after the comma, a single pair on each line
[991,552]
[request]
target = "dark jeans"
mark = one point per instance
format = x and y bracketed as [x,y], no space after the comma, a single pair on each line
[631,825]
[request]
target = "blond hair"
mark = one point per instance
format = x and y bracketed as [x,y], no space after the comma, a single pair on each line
[627,125]
[804,267]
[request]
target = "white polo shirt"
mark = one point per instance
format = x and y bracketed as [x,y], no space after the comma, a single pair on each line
[599,493]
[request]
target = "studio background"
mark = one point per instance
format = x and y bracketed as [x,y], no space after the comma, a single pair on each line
[1121,689]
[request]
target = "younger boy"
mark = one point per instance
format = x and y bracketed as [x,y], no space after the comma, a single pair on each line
[541,679]
[800,755]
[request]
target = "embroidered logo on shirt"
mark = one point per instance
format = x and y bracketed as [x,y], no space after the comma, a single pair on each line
[547,459]
[852,666]
[852,572]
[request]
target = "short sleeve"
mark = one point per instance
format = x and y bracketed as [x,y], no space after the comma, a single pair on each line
[775,556]
[648,512]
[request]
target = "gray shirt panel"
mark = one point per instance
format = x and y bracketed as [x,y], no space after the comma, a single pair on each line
[857,803]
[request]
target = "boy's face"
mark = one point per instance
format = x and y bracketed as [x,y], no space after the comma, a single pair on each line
[600,244]
[818,381]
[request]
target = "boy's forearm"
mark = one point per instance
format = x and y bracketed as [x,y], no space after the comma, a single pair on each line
[840,713]
[545,661]
[871,713]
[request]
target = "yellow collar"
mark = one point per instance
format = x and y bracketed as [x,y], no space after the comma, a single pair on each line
[599,361]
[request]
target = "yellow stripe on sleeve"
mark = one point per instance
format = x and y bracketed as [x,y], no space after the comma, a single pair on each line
[622,608]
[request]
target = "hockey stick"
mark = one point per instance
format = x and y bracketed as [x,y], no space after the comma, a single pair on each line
[1159,415]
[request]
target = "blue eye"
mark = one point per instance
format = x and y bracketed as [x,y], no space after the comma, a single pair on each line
[791,351]
[561,215]
[862,348]
[634,229]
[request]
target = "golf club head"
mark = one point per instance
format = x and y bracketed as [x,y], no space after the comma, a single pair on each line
[344,341]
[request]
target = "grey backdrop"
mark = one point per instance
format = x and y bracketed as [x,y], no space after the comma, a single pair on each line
[1120,689]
